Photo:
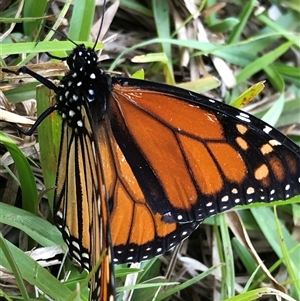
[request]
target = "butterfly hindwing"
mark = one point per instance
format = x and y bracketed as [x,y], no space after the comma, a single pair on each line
[138,232]
[81,205]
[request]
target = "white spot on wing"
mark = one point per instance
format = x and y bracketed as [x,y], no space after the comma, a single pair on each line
[250,190]
[76,245]
[267,129]
[244,117]
[274,142]
[85,255]
[225,198]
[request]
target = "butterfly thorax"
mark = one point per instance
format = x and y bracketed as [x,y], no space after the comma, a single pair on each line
[83,86]
[82,59]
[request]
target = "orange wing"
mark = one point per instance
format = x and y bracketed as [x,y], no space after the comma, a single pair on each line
[171,159]
[81,211]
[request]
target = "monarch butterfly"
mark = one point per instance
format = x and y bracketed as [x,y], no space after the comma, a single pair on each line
[142,164]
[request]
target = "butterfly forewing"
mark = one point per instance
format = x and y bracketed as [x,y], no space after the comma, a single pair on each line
[182,157]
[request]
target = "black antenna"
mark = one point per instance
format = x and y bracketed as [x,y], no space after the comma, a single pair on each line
[61,34]
[101,24]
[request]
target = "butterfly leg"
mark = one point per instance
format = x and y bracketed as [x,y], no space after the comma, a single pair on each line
[37,123]
[46,83]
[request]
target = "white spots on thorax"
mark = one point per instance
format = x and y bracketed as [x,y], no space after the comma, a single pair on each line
[71,113]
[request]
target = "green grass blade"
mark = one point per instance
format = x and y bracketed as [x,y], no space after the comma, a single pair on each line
[162,21]
[82,19]
[33,9]
[39,229]
[14,267]
[49,139]
[262,62]
[35,274]
[243,17]
[27,180]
